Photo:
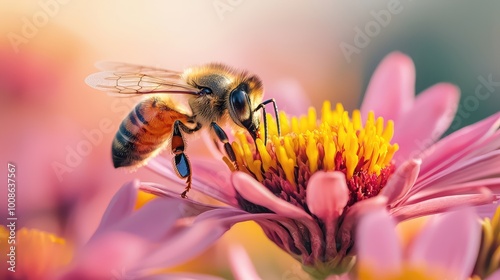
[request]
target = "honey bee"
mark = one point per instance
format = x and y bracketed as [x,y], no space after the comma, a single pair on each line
[180,103]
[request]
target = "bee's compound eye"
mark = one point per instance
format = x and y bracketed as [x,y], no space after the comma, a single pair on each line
[240,104]
[204,91]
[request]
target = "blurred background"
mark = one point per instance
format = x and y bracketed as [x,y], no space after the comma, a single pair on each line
[58,131]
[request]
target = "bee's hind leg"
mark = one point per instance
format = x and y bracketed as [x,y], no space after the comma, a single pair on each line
[222,137]
[181,161]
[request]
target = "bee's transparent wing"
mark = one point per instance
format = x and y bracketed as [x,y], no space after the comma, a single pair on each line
[134,68]
[130,79]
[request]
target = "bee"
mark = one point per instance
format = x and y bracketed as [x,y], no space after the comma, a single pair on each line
[179,103]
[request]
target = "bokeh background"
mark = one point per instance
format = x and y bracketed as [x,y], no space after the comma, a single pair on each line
[48,47]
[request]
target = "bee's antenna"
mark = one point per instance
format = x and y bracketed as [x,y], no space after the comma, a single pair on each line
[275,107]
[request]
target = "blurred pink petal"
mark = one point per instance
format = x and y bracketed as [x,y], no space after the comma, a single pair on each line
[376,231]
[390,92]
[352,216]
[120,206]
[132,242]
[104,256]
[182,245]
[241,265]
[450,242]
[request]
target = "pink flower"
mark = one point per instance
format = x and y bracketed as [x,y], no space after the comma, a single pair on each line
[241,265]
[446,248]
[130,244]
[308,188]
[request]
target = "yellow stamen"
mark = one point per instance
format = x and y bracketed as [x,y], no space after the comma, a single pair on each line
[362,147]
[287,164]
[312,153]
[267,162]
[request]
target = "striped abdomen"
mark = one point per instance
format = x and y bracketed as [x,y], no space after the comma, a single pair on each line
[144,131]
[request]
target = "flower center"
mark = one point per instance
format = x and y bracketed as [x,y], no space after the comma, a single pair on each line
[336,142]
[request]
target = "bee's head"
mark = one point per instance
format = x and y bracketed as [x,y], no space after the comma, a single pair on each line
[241,110]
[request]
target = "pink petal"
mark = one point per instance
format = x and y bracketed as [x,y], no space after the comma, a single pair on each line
[401,181]
[453,189]
[442,204]
[453,146]
[151,222]
[214,181]
[450,241]
[209,177]
[108,254]
[256,193]
[182,246]
[241,265]
[391,90]
[377,242]
[466,170]
[352,216]
[192,240]
[463,171]
[429,117]
[327,195]
[120,206]
[191,206]
[461,177]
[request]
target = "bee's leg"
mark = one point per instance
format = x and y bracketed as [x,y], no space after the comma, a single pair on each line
[181,161]
[275,107]
[222,136]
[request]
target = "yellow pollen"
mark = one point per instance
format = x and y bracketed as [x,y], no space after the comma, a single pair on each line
[336,136]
